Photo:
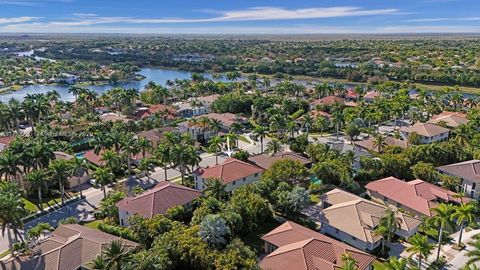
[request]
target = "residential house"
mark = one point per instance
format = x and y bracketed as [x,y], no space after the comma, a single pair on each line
[5,141]
[327,101]
[79,177]
[450,119]
[156,135]
[370,96]
[469,172]
[114,117]
[156,201]
[427,132]
[70,247]
[265,161]
[203,133]
[167,112]
[227,120]
[344,147]
[369,144]
[417,196]
[353,220]
[232,172]
[291,246]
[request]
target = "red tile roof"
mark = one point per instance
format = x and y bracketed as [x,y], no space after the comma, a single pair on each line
[158,200]
[153,109]
[230,170]
[417,194]
[301,248]
[328,100]
[94,158]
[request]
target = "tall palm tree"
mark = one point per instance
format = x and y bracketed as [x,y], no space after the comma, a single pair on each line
[442,219]
[307,123]
[387,227]
[146,165]
[11,212]
[214,187]
[37,180]
[103,176]
[463,214]
[379,142]
[163,155]
[215,125]
[110,160]
[130,148]
[215,145]
[260,132]
[274,146]
[9,165]
[474,253]
[79,165]
[420,246]
[15,112]
[60,171]
[144,145]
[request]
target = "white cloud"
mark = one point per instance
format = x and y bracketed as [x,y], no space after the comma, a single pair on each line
[444,19]
[17,20]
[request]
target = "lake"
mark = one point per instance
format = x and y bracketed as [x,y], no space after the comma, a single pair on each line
[157,75]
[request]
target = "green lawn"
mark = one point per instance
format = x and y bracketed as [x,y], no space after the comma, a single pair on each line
[314,198]
[378,265]
[32,204]
[94,224]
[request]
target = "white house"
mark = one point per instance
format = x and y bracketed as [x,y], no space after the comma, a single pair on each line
[469,172]
[427,132]
[232,172]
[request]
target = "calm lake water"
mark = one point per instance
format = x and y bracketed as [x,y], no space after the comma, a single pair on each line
[151,74]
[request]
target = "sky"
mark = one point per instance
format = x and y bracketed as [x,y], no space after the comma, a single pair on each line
[239,16]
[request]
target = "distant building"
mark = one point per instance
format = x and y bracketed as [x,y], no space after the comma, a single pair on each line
[427,132]
[232,172]
[265,161]
[156,201]
[369,144]
[353,219]
[70,247]
[292,246]
[417,196]
[450,119]
[469,172]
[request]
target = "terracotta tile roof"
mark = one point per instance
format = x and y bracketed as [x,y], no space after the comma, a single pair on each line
[70,247]
[452,119]
[355,216]
[159,199]
[94,158]
[317,113]
[266,161]
[328,100]
[469,170]
[369,143]
[113,117]
[153,109]
[227,119]
[155,135]
[230,170]
[417,194]
[371,95]
[210,98]
[5,141]
[301,248]
[425,129]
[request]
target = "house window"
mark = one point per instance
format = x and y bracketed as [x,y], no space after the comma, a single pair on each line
[244,179]
[474,185]
[471,193]
[256,174]
[354,238]
[121,222]
[337,231]
[233,183]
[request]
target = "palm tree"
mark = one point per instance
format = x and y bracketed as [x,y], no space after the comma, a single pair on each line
[442,218]
[320,123]
[144,145]
[130,147]
[163,155]
[15,112]
[78,166]
[114,256]
[103,176]
[9,165]
[261,132]
[11,212]
[145,166]
[215,125]
[37,180]
[60,171]
[379,142]
[214,187]
[474,253]
[110,159]
[420,246]
[387,227]
[348,263]
[395,263]
[307,123]
[274,146]
[214,230]
[463,214]
[216,143]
